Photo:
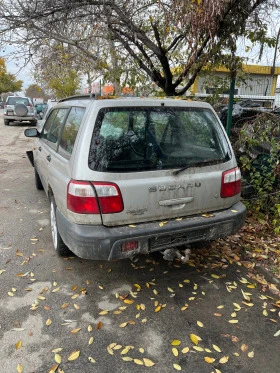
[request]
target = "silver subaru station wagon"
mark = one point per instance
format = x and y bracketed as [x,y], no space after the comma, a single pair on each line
[132,176]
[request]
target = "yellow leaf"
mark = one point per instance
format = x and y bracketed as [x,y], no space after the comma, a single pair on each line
[175,342]
[171,290]
[224,360]
[248,304]
[54,283]
[158,308]
[175,351]
[18,345]
[199,323]
[245,296]
[185,350]
[65,305]
[217,348]
[90,340]
[110,351]
[197,348]
[117,347]
[138,361]
[19,368]
[57,358]
[138,287]
[215,276]
[128,301]
[41,298]
[89,328]
[74,355]
[75,296]
[233,321]
[103,312]
[55,290]
[221,306]
[177,367]
[10,294]
[76,306]
[244,348]
[251,354]
[48,322]
[123,325]
[56,350]
[125,350]
[237,307]
[265,313]
[73,331]
[155,292]
[195,339]
[148,362]
[127,358]
[209,360]
[91,359]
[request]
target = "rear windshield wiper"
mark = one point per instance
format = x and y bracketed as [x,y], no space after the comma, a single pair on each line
[206,162]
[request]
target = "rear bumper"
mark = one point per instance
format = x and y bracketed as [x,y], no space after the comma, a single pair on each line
[20,119]
[105,243]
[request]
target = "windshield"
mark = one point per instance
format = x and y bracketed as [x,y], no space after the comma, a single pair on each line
[139,139]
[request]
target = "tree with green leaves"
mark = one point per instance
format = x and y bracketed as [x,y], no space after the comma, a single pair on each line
[8,82]
[170,41]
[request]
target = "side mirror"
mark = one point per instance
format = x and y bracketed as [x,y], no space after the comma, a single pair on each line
[31,132]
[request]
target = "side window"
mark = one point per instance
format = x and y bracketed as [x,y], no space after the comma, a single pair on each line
[53,126]
[71,129]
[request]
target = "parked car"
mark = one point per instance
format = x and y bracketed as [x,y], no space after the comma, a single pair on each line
[132,176]
[19,109]
[2,104]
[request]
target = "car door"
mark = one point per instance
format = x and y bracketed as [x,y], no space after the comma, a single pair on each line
[49,142]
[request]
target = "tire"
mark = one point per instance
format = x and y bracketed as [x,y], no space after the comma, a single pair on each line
[20,110]
[38,181]
[6,122]
[33,122]
[59,245]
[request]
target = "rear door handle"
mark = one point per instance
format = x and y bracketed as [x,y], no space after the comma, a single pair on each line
[39,148]
[49,158]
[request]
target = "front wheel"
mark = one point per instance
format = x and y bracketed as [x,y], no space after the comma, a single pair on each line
[38,181]
[58,243]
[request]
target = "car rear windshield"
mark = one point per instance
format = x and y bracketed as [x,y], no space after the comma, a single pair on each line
[149,138]
[18,100]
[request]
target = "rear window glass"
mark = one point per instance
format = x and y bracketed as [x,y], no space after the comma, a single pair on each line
[18,100]
[129,139]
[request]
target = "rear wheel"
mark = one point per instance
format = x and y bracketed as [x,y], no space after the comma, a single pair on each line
[58,243]
[38,181]
[6,122]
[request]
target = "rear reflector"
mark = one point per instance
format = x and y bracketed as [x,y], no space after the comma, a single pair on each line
[231,183]
[84,197]
[129,246]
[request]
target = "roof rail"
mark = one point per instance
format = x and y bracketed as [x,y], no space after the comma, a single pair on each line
[80,97]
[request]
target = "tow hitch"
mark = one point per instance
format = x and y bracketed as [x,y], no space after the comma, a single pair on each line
[171,254]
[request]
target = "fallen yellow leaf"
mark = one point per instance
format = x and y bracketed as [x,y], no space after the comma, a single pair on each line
[185,350]
[251,354]
[48,322]
[209,360]
[19,368]
[217,348]
[197,348]
[18,345]
[224,360]
[177,367]
[175,351]
[103,312]
[57,358]
[90,340]
[73,331]
[74,355]
[123,325]
[148,362]
[195,339]
[91,359]
[200,324]
[175,342]
[138,361]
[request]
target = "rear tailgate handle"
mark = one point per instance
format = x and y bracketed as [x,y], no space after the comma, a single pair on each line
[49,158]
[177,201]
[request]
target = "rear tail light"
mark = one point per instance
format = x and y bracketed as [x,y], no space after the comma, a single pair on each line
[84,197]
[231,183]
